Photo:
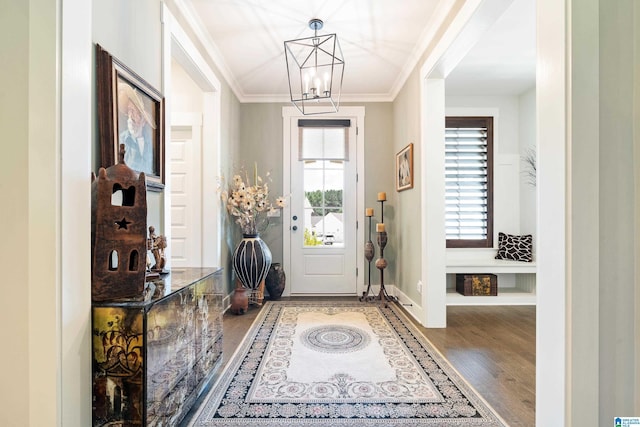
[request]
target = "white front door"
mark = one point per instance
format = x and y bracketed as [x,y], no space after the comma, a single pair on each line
[186,191]
[323,228]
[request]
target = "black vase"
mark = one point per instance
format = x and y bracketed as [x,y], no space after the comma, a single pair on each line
[275,281]
[251,261]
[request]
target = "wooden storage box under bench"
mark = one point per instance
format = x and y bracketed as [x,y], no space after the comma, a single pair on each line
[477,284]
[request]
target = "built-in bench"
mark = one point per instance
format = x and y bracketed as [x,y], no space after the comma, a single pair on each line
[516,281]
[494,266]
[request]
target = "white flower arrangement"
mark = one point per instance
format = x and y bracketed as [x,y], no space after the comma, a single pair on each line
[250,204]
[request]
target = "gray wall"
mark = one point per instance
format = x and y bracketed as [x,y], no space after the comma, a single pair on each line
[261,144]
[527,138]
[406,114]
[584,329]
[379,170]
[261,138]
[131,32]
[229,150]
[618,284]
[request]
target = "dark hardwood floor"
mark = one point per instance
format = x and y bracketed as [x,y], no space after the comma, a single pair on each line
[492,347]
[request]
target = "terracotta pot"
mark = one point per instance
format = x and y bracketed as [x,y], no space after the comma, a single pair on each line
[239,301]
[275,281]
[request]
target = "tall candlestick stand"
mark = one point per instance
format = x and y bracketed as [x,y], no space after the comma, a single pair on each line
[381,264]
[369,253]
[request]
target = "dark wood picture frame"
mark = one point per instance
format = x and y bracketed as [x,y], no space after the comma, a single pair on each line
[123,94]
[404,168]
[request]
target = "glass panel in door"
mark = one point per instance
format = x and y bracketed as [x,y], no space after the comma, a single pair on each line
[324,189]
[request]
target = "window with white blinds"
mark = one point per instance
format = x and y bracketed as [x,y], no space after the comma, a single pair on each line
[468,182]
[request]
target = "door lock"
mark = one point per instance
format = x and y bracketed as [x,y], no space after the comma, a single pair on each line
[295,227]
[295,217]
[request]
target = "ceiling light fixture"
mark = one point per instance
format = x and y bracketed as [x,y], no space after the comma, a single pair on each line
[315,68]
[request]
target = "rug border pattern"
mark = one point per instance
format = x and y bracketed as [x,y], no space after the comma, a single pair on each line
[445,378]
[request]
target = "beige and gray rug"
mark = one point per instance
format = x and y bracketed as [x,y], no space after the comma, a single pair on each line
[339,365]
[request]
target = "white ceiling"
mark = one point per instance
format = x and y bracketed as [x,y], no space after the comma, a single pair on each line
[503,61]
[382,41]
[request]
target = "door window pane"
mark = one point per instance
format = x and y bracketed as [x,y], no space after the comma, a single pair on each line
[333,227]
[323,189]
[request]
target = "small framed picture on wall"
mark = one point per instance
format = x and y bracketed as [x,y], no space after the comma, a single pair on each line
[130,113]
[404,168]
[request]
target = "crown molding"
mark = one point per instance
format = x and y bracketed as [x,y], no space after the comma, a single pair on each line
[286,99]
[197,26]
[426,39]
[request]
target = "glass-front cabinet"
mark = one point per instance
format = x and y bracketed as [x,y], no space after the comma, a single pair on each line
[152,358]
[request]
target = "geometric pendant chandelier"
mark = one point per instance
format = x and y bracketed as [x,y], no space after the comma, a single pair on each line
[315,69]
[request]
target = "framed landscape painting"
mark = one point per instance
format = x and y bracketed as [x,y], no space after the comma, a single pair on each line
[404,168]
[131,114]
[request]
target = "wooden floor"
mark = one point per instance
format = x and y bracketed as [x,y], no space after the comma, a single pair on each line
[492,347]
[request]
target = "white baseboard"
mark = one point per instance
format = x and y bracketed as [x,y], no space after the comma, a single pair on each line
[412,307]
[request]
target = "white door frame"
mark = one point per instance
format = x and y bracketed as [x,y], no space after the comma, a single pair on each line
[193,149]
[177,45]
[287,114]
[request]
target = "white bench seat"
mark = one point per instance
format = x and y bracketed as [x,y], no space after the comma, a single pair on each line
[520,291]
[494,266]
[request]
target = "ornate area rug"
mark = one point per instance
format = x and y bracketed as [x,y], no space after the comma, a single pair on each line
[339,364]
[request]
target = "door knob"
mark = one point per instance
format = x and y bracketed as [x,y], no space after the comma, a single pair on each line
[295,217]
[295,227]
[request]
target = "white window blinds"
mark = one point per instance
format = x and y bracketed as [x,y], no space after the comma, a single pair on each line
[468,192]
[323,143]
[324,139]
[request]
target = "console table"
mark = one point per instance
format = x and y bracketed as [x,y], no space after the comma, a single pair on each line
[152,358]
